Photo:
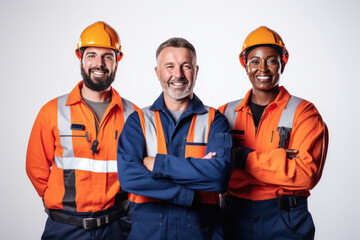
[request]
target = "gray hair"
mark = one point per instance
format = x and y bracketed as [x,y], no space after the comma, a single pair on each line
[176,42]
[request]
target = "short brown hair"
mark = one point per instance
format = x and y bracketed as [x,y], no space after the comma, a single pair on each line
[176,42]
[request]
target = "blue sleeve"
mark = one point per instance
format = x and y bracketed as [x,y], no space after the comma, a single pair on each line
[133,175]
[201,174]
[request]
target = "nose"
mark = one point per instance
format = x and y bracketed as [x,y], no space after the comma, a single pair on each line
[178,72]
[263,66]
[99,61]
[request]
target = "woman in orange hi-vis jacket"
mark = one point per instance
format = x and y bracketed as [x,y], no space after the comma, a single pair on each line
[280,144]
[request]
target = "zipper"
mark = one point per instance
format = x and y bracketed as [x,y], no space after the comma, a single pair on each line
[95,143]
[252,117]
[262,117]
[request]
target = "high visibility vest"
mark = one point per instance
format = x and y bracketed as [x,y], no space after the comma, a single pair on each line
[196,141]
[69,163]
[285,122]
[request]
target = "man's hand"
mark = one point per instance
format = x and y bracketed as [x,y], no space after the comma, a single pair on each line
[292,153]
[210,155]
[149,163]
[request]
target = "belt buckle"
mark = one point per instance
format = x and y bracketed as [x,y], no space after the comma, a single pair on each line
[283,203]
[87,223]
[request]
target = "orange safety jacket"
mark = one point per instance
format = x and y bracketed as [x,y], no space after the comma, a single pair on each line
[268,173]
[64,163]
[155,143]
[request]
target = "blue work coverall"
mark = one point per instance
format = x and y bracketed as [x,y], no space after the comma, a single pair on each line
[175,178]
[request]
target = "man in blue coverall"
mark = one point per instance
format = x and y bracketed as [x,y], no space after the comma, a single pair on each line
[174,156]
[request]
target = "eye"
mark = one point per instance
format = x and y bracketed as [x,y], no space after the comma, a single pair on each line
[255,61]
[273,61]
[108,57]
[169,67]
[90,56]
[187,66]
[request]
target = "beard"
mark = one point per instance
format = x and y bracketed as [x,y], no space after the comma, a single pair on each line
[97,84]
[177,94]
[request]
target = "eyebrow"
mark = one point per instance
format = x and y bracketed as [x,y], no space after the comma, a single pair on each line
[267,56]
[96,53]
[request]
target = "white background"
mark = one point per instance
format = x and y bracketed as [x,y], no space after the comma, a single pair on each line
[37,62]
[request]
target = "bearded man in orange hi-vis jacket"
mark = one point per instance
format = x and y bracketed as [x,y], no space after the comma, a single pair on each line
[71,156]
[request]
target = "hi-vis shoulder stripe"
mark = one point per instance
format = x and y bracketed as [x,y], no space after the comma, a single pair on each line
[69,161]
[288,114]
[128,108]
[200,135]
[86,164]
[230,112]
[150,131]
[201,127]
[64,123]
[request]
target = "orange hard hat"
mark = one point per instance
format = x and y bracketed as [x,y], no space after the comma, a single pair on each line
[260,36]
[99,34]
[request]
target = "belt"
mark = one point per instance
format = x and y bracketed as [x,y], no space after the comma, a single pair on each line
[262,207]
[105,217]
[287,202]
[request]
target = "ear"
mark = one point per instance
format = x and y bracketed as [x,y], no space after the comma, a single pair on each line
[197,70]
[282,67]
[157,72]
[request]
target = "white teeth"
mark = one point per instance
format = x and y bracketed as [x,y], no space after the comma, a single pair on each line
[178,83]
[263,78]
[98,72]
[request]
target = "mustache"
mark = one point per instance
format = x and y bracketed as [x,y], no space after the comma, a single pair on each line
[181,80]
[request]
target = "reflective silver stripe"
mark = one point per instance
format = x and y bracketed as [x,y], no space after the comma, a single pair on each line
[86,164]
[128,108]
[64,123]
[201,127]
[150,131]
[200,134]
[230,113]
[287,115]
[69,161]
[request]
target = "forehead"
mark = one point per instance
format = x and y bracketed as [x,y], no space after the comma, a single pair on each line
[99,50]
[263,51]
[176,54]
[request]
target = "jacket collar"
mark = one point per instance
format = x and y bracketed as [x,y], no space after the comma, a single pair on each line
[196,106]
[75,96]
[281,99]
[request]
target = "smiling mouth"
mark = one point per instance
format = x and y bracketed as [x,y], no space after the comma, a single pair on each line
[178,83]
[264,78]
[98,73]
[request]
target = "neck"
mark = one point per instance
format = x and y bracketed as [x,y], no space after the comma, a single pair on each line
[177,104]
[95,96]
[263,98]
